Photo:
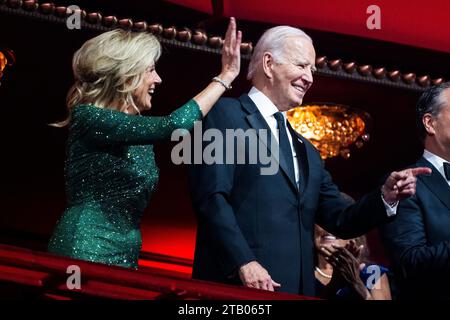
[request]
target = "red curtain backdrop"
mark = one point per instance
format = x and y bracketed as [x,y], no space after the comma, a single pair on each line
[411,22]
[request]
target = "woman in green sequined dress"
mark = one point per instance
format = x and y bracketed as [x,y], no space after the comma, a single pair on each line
[110,168]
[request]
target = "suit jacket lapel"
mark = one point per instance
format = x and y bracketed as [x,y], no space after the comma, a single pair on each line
[257,122]
[435,182]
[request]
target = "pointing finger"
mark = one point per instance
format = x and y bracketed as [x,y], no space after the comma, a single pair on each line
[421,170]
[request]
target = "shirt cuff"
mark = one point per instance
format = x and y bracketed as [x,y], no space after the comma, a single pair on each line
[390,210]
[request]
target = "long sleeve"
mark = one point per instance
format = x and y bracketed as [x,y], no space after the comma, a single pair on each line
[344,220]
[417,240]
[107,127]
[211,187]
[408,245]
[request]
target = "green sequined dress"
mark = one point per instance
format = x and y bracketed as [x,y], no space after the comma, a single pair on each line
[110,175]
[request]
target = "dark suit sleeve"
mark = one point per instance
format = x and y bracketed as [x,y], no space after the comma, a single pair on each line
[211,187]
[406,241]
[339,217]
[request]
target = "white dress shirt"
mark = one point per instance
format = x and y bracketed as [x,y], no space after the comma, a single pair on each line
[268,109]
[437,162]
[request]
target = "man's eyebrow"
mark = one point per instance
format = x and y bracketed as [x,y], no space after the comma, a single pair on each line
[300,60]
[305,62]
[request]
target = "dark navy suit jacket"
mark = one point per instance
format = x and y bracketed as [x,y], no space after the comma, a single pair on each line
[244,216]
[418,240]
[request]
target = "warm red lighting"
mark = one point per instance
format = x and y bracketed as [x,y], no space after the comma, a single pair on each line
[171,240]
[183,271]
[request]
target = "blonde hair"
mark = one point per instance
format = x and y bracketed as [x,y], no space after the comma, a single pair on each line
[109,68]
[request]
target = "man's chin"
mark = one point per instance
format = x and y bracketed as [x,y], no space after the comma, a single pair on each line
[296,104]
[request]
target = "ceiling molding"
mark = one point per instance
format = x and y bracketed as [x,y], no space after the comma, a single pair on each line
[199,40]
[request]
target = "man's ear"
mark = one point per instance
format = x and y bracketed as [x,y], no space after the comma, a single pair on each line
[268,64]
[429,123]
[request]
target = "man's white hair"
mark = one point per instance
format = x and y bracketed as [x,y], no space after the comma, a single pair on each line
[272,41]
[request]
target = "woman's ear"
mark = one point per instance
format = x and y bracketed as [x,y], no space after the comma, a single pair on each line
[429,123]
[268,64]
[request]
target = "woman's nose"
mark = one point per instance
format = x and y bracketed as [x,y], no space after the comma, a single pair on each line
[158,79]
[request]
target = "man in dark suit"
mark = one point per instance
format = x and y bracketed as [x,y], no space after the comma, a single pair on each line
[257,229]
[418,240]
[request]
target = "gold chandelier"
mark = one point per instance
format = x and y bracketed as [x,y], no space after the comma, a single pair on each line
[332,129]
[7,58]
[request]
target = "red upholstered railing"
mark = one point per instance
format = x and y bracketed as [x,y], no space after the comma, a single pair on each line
[46,276]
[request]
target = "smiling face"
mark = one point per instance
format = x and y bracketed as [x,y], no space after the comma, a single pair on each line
[291,75]
[143,94]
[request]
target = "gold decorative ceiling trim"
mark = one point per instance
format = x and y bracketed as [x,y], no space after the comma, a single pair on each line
[199,40]
[367,73]
[185,38]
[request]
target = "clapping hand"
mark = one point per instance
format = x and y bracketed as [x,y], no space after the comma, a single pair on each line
[344,263]
[346,268]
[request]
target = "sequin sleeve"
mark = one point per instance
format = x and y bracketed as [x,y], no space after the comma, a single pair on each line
[105,126]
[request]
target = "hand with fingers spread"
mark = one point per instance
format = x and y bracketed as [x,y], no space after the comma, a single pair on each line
[231,53]
[231,65]
[402,184]
[253,275]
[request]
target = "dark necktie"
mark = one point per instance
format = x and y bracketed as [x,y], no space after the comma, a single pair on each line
[447,170]
[285,146]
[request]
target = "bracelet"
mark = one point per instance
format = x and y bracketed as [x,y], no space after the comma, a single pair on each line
[227,86]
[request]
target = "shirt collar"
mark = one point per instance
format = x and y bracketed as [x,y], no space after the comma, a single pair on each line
[263,103]
[435,160]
